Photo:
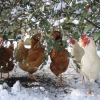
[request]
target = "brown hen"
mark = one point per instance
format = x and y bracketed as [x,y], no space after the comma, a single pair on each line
[6,59]
[59,58]
[21,52]
[34,58]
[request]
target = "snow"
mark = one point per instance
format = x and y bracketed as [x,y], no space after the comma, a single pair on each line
[98,53]
[76,21]
[59,6]
[72,88]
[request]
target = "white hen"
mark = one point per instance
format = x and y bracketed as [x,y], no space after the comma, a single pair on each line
[76,51]
[90,63]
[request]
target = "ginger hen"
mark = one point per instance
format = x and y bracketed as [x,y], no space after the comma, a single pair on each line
[34,57]
[6,59]
[59,58]
[21,52]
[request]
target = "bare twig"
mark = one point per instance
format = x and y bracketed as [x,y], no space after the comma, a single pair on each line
[92,23]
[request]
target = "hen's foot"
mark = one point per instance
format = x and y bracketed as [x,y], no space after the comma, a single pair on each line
[83,80]
[90,91]
[60,81]
[1,77]
[8,76]
[77,71]
[33,78]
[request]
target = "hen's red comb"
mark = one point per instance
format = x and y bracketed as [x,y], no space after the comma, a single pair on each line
[72,41]
[85,39]
[56,33]
[83,36]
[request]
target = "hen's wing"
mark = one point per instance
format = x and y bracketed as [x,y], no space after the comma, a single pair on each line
[33,60]
[59,62]
[21,54]
[90,66]
[6,59]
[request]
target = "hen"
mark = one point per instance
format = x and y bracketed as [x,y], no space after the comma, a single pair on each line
[21,52]
[59,58]
[77,52]
[6,59]
[34,57]
[90,62]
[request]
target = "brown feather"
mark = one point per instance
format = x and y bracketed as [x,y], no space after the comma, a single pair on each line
[60,61]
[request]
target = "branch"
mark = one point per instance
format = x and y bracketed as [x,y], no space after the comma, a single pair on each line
[92,23]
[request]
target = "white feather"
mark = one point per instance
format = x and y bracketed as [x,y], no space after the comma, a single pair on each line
[90,62]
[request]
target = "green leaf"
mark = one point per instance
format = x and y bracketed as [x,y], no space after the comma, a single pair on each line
[42,8]
[97,36]
[67,19]
[27,41]
[71,24]
[10,36]
[71,20]
[5,37]
[77,65]
[1,81]
[76,36]
[89,27]
[25,1]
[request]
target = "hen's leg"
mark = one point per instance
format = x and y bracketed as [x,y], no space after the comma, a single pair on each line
[83,80]
[60,81]
[3,77]
[31,76]
[77,71]
[90,90]
[0,75]
[7,75]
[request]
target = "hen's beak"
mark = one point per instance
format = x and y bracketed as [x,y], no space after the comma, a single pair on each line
[81,43]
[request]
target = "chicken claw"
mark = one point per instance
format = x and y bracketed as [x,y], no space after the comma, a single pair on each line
[31,76]
[83,80]
[90,91]
[60,81]
[3,77]
[77,71]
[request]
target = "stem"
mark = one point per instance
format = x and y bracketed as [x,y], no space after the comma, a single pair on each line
[92,23]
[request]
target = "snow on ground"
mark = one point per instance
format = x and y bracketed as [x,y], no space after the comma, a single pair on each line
[46,88]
